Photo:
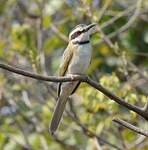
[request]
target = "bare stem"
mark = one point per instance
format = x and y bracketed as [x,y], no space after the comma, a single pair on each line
[131,127]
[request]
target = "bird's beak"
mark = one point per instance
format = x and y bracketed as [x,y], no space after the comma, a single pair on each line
[91,28]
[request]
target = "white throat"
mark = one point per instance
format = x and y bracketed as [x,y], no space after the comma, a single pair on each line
[81,59]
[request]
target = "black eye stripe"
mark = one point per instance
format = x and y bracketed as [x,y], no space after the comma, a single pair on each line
[79,32]
[76,34]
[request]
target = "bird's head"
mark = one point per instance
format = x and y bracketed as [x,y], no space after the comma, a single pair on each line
[81,33]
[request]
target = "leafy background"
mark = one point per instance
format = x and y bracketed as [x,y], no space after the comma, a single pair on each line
[33,36]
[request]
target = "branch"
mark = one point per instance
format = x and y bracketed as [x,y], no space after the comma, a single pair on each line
[119,15]
[131,127]
[128,24]
[86,131]
[103,9]
[57,32]
[140,72]
[65,145]
[137,143]
[40,77]
[81,78]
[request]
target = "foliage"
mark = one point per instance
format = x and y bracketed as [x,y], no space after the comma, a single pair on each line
[33,36]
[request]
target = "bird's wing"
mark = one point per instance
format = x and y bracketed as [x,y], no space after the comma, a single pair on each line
[67,56]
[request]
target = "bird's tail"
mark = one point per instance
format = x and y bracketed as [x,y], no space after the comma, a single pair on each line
[59,109]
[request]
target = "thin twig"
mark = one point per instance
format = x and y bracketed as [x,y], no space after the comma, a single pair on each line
[105,38]
[143,54]
[127,25]
[58,33]
[103,9]
[137,142]
[140,72]
[131,127]
[86,131]
[119,15]
[39,40]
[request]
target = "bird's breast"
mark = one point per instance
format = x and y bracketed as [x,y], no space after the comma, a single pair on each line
[80,60]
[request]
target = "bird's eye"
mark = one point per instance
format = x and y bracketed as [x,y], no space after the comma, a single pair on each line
[76,34]
[79,32]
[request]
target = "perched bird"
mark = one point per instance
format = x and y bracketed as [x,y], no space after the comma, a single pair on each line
[75,61]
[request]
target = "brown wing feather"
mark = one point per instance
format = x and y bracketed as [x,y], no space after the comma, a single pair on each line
[68,53]
[67,56]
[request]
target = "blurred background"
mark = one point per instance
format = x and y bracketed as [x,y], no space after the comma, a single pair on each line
[33,36]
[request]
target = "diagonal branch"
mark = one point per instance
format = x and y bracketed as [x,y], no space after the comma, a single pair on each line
[82,78]
[140,72]
[131,127]
[86,131]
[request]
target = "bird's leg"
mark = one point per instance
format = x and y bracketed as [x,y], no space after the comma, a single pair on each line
[75,75]
[71,76]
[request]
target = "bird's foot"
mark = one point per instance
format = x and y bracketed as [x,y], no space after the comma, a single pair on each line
[72,76]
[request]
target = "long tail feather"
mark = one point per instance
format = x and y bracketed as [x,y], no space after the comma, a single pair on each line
[59,109]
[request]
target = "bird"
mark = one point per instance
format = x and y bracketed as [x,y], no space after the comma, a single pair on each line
[75,61]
